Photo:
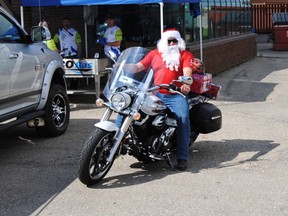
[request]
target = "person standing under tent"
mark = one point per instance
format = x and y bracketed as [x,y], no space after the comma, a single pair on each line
[70,44]
[69,40]
[112,37]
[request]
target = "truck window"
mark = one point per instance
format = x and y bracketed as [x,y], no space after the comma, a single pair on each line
[9,32]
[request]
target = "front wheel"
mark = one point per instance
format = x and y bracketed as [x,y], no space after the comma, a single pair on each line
[57,112]
[93,165]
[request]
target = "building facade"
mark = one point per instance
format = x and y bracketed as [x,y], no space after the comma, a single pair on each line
[223,23]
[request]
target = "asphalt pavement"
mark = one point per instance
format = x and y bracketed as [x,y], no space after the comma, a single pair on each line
[239,170]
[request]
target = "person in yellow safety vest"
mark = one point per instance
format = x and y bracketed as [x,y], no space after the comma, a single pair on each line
[70,44]
[69,39]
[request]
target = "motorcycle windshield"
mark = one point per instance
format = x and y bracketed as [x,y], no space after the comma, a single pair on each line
[125,75]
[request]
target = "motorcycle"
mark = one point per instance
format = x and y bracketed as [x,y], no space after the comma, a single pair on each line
[148,128]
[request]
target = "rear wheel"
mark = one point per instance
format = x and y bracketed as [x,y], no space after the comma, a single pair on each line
[93,165]
[193,136]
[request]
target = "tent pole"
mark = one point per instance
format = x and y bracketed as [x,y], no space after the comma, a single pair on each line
[86,40]
[200,23]
[22,16]
[161,18]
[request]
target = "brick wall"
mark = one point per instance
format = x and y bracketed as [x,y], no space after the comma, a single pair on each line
[226,53]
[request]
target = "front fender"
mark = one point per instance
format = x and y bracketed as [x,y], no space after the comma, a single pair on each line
[107,126]
[49,73]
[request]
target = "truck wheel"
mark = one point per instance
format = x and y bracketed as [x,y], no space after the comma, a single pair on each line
[57,112]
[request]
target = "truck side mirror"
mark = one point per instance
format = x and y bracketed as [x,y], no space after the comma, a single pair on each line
[39,34]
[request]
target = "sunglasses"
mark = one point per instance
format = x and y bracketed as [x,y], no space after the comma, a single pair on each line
[172,40]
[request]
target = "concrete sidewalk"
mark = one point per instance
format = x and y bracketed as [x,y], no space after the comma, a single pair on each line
[266,50]
[265,47]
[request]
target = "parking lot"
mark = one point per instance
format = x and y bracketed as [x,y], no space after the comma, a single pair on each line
[240,170]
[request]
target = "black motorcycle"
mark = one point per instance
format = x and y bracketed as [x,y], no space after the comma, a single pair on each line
[148,128]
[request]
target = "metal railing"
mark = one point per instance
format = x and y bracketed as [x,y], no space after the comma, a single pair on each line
[262,16]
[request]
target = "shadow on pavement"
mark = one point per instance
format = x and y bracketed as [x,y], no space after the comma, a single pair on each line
[204,155]
[34,169]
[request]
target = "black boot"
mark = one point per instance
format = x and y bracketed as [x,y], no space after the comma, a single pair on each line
[182,165]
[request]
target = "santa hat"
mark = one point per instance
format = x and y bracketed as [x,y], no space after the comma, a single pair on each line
[172,33]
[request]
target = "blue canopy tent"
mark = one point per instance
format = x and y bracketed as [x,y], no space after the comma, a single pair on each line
[97,2]
[42,3]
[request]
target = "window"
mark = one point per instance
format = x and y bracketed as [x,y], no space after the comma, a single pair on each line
[219,18]
[141,23]
[8,32]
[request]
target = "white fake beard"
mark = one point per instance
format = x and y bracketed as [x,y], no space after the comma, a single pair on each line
[171,56]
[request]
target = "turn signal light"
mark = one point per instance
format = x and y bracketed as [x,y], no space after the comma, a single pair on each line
[136,116]
[99,102]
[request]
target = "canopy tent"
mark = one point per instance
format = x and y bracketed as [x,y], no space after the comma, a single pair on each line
[97,2]
[42,3]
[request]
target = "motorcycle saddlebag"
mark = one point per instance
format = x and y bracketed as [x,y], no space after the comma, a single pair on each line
[205,118]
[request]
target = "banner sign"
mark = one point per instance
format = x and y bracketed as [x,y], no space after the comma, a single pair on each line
[84,67]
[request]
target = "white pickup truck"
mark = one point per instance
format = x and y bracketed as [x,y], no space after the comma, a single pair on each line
[32,83]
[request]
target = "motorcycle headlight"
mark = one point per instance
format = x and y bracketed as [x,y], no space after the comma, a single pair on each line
[120,101]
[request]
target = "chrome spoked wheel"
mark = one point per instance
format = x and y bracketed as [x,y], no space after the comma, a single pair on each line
[59,110]
[98,163]
[94,164]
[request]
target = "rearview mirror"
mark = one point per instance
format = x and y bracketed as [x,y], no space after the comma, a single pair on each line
[186,80]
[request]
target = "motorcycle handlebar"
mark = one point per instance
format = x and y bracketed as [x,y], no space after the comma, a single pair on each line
[170,88]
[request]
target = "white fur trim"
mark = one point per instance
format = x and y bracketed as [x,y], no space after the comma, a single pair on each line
[171,34]
[162,44]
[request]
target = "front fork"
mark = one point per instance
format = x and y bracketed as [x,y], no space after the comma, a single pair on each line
[119,134]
